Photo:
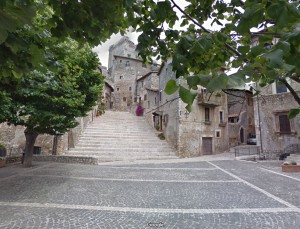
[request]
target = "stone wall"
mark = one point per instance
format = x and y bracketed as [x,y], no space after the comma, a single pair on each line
[14,139]
[266,107]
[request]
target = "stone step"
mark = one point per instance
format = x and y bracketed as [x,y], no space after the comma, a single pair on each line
[123,154]
[121,136]
[118,150]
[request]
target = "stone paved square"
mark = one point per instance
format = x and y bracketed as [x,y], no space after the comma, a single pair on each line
[194,194]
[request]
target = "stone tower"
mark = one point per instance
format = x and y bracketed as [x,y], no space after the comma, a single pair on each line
[124,68]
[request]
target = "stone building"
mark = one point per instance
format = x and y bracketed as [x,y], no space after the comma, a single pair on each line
[203,131]
[124,68]
[147,94]
[240,116]
[274,131]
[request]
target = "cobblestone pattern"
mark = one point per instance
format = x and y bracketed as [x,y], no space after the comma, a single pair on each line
[24,218]
[63,190]
[227,195]
[280,186]
[167,174]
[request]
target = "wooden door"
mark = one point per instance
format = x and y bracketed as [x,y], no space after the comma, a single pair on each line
[207,146]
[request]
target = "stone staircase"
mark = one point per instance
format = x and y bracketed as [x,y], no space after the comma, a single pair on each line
[118,136]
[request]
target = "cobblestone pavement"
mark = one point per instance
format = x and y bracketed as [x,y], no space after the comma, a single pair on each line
[182,194]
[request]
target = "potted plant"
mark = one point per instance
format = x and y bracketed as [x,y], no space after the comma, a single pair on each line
[2,162]
[290,167]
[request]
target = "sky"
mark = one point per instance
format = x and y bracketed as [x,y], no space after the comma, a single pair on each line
[102,49]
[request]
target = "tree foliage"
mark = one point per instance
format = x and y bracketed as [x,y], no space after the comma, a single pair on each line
[243,39]
[48,72]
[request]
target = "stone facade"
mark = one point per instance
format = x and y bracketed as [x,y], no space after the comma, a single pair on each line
[240,116]
[124,68]
[203,131]
[147,94]
[274,130]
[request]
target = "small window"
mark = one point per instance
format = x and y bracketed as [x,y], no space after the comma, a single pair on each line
[206,114]
[160,96]
[218,134]
[221,116]
[155,101]
[145,97]
[120,61]
[121,77]
[127,63]
[129,88]
[142,83]
[280,88]
[148,104]
[118,89]
[124,99]
[135,99]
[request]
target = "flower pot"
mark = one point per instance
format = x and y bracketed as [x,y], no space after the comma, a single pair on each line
[290,168]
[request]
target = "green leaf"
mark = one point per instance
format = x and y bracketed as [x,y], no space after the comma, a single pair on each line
[186,95]
[293,113]
[218,83]
[275,58]
[193,81]
[236,80]
[171,87]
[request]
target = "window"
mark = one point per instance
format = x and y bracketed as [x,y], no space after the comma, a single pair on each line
[120,61]
[160,96]
[142,83]
[145,97]
[129,88]
[148,104]
[280,88]
[135,99]
[221,116]
[284,125]
[118,89]
[155,101]
[206,114]
[218,134]
[127,63]
[121,77]
[124,99]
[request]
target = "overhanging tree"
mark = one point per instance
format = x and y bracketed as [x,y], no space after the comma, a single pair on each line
[203,51]
[46,79]
[48,103]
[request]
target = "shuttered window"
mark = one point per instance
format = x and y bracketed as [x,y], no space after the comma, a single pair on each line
[284,124]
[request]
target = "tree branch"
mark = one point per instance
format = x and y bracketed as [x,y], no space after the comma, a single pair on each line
[293,92]
[203,28]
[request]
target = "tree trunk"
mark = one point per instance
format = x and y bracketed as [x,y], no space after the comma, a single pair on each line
[30,140]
